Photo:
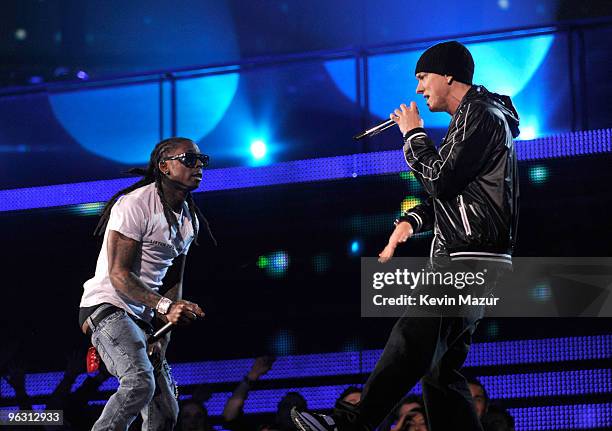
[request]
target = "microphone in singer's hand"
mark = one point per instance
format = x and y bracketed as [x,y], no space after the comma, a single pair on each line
[164,330]
[379,128]
[375,130]
[161,332]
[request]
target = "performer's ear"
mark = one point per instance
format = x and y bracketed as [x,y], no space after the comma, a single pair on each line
[163,167]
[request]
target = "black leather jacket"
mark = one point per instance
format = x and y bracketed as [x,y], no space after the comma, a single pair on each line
[471,180]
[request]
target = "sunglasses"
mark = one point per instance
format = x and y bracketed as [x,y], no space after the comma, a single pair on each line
[190,160]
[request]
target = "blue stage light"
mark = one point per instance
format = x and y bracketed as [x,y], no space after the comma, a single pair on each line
[21,34]
[344,75]
[550,384]
[538,174]
[201,105]
[283,343]
[90,209]
[121,123]
[355,247]
[521,58]
[527,133]
[323,397]
[297,171]
[258,149]
[278,262]
[345,363]
[566,417]
[275,264]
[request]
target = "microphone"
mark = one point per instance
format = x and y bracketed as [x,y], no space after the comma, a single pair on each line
[161,332]
[375,130]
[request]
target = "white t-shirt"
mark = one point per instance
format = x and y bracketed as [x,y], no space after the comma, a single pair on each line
[139,215]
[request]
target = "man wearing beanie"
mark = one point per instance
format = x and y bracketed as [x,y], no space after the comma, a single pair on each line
[472,207]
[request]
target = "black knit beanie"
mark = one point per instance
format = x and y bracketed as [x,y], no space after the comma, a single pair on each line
[448,58]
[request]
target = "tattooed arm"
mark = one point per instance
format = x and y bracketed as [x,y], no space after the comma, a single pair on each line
[122,252]
[173,281]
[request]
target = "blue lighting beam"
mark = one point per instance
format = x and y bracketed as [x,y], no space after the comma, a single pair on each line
[298,171]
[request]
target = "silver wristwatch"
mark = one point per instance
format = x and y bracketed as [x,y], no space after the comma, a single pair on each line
[163,306]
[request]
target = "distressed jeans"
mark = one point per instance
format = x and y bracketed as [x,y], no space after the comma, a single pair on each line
[143,388]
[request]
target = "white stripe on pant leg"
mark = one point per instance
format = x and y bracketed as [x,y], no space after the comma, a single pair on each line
[479,253]
[492,259]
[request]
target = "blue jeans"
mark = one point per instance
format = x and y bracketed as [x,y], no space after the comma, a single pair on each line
[143,388]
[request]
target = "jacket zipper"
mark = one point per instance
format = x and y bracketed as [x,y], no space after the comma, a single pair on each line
[464,218]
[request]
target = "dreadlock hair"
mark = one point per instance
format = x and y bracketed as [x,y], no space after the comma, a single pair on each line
[152,174]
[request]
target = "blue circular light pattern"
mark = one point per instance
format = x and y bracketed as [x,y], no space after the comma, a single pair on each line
[122,123]
[203,102]
[504,66]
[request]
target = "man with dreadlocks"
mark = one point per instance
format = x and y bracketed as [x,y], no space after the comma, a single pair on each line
[148,229]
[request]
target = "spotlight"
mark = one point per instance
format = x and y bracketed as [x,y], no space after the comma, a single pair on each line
[258,149]
[275,264]
[538,174]
[355,247]
[527,133]
[82,75]
[503,4]
[21,34]
[279,262]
